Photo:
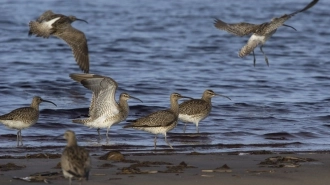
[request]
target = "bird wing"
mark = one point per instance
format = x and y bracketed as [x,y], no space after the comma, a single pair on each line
[156,119]
[193,107]
[239,29]
[76,161]
[85,76]
[250,46]
[78,77]
[78,43]
[20,113]
[103,100]
[277,22]
[46,16]
[40,29]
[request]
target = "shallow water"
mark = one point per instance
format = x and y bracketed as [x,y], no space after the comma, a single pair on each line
[153,49]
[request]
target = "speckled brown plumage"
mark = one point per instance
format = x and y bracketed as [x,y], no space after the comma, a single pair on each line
[104,111]
[196,110]
[23,117]
[75,160]
[159,122]
[59,25]
[261,32]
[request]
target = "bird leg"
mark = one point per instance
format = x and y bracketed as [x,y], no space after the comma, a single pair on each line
[17,138]
[168,142]
[254,59]
[108,134]
[98,131]
[155,141]
[69,180]
[197,129]
[184,128]
[20,135]
[266,59]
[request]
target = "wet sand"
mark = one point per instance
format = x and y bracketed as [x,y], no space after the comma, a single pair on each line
[185,169]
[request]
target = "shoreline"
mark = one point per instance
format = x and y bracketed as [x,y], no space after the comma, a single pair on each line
[256,167]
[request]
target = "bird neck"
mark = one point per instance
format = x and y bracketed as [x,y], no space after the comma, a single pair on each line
[175,107]
[207,99]
[72,142]
[124,106]
[35,105]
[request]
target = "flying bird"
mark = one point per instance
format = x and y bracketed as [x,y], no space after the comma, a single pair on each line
[59,25]
[260,32]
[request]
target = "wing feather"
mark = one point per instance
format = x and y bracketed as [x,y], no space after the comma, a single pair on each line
[279,21]
[239,29]
[193,107]
[157,119]
[78,43]
[250,46]
[104,90]
[46,16]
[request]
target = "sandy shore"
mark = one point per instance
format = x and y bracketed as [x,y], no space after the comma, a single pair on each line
[183,169]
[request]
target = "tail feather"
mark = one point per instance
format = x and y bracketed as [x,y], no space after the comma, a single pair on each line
[82,121]
[249,47]
[39,29]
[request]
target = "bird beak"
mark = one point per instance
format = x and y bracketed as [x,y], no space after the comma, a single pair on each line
[82,20]
[48,102]
[186,97]
[136,98]
[223,96]
[289,26]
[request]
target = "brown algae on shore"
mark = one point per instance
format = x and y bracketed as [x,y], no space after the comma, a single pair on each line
[287,161]
[11,166]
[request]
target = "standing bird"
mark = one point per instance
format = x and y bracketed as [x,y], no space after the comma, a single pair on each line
[75,160]
[60,26]
[104,111]
[23,117]
[196,110]
[260,32]
[160,122]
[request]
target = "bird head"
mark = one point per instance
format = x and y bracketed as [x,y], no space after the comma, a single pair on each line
[38,100]
[126,96]
[209,93]
[74,18]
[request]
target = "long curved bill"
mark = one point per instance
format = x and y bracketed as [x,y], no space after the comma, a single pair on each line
[48,102]
[222,96]
[289,26]
[186,97]
[82,20]
[135,98]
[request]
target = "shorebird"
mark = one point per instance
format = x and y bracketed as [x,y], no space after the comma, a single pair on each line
[59,25]
[75,160]
[260,32]
[196,110]
[104,111]
[23,117]
[160,122]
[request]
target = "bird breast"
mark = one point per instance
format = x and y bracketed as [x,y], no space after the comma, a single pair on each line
[15,124]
